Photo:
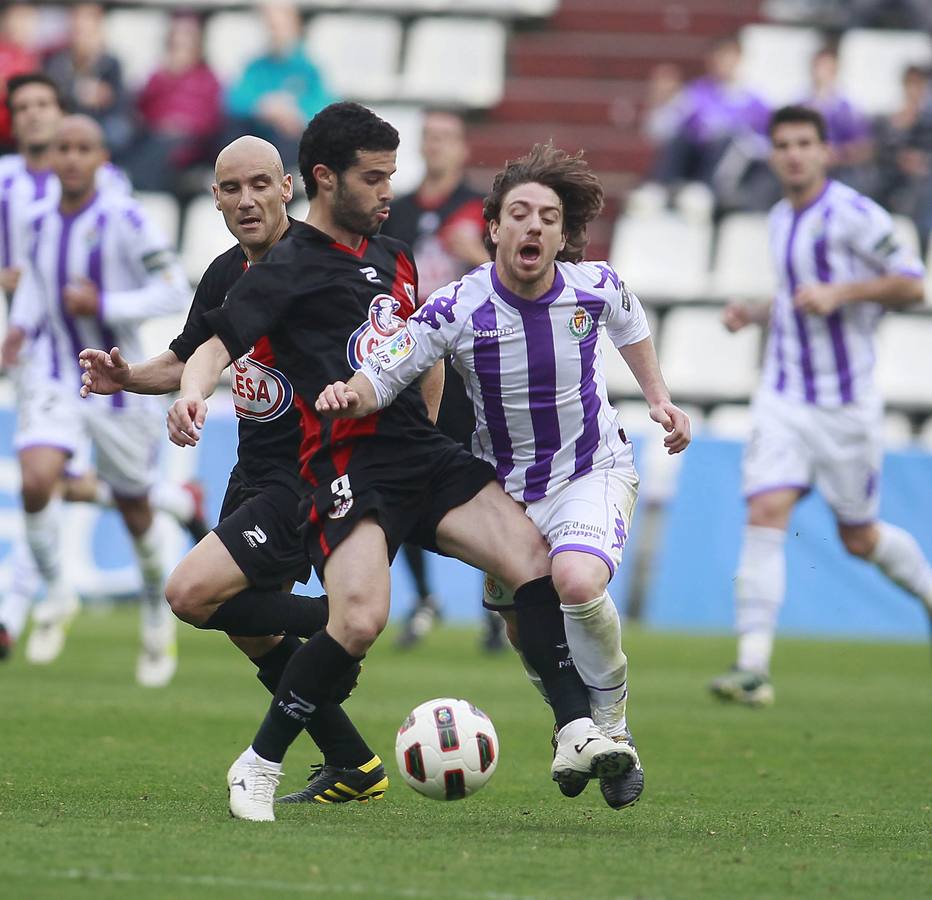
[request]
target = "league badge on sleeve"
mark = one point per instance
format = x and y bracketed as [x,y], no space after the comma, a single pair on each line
[580,323]
[394,351]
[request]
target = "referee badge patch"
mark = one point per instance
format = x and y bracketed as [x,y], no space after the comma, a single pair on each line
[394,351]
[580,323]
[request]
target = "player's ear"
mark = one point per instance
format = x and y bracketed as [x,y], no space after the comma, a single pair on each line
[216,192]
[287,188]
[325,177]
[493,231]
[563,242]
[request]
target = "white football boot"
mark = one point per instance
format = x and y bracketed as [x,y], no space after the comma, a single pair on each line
[583,751]
[252,786]
[50,620]
[158,656]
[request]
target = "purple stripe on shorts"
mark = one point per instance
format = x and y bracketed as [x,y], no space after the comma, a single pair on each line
[770,488]
[835,321]
[542,397]
[585,548]
[801,329]
[488,366]
[588,441]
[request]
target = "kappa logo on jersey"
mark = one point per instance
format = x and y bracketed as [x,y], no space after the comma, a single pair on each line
[382,323]
[394,351]
[255,537]
[580,323]
[436,308]
[259,391]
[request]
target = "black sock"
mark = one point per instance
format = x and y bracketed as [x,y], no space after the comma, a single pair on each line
[329,726]
[542,636]
[414,557]
[254,613]
[306,685]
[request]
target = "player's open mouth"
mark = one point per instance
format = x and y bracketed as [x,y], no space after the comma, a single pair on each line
[382,215]
[250,220]
[529,253]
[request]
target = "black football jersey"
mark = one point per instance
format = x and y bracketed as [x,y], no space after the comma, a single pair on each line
[263,398]
[324,307]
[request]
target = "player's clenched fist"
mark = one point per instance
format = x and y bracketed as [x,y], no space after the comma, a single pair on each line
[676,423]
[104,373]
[186,417]
[337,401]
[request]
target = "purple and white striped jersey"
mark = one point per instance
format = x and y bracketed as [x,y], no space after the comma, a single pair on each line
[841,236]
[112,243]
[533,369]
[24,191]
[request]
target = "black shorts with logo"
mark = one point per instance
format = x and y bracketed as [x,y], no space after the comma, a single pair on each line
[409,488]
[259,526]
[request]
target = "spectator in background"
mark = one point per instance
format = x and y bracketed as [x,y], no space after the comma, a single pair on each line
[91,80]
[180,110]
[848,130]
[443,224]
[904,154]
[662,103]
[711,114]
[280,90]
[17,56]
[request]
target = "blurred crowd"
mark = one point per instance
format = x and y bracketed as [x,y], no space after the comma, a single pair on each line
[182,114]
[713,129]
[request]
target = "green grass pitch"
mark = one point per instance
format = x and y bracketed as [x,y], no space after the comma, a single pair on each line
[108,790]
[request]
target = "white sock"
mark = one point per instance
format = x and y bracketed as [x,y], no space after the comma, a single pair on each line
[173,499]
[250,756]
[759,589]
[900,558]
[42,535]
[593,632]
[156,613]
[24,585]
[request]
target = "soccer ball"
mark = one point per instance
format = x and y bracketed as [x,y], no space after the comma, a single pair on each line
[446,749]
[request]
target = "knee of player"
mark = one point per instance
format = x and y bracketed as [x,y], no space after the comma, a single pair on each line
[36,491]
[577,580]
[858,541]
[360,629]
[188,598]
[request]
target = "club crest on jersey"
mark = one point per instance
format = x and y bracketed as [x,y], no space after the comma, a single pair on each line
[260,392]
[580,323]
[382,323]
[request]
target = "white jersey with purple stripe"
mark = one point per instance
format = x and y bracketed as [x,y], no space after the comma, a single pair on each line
[112,243]
[841,236]
[533,369]
[23,192]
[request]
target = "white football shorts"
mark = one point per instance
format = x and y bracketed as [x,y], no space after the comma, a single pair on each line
[837,450]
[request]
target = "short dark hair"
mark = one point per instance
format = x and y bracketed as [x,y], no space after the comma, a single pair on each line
[568,176]
[334,137]
[18,81]
[798,115]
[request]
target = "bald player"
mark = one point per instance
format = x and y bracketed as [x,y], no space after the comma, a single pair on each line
[256,543]
[96,268]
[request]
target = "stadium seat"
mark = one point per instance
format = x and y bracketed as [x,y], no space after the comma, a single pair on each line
[136,37]
[358,54]
[871,65]
[510,8]
[904,363]
[164,212]
[231,40]
[455,61]
[775,61]
[408,119]
[619,382]
[743,268]
[729,422]
[906,232]
[204,236]
[703,362]
[664,255]
[925,435]
[299,206]
[897,431]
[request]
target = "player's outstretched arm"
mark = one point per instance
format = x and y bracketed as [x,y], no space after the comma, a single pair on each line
[187,414]
[106,373]
[352,399]
[642,361]
[737,314]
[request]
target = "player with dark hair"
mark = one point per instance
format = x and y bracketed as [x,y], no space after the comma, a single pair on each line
[325,298]
[256,541]
[442,223]
[523,331]
[817,413]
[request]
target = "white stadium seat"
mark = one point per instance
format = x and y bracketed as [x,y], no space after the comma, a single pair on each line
[663,255]
[408,119]
[136,37]
[871,65]
[775,61]
[702,361]
[925,435]
[618,378]
[358,54]
[904,360]
[907,234]
[897,431]
[231,40]
[204,237]
[163,210]
[743,268]
[456,61]
[730,422]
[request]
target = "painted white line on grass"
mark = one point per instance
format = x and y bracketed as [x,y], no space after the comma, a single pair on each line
[287,887]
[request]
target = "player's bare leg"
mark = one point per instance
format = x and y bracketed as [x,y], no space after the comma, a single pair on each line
[759,588]
[42,470]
